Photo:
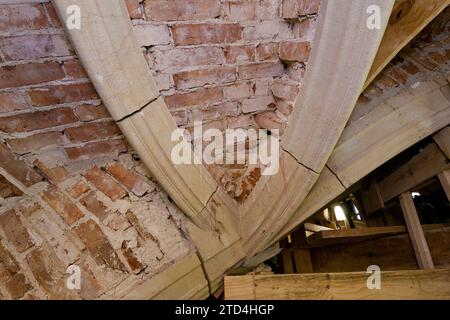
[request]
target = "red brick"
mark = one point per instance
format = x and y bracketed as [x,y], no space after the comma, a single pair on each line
[294,8]
[30,73]
[268,9]
[190,34]
[34,46]
[398,75]
[270,120]
[216,112]
[102,181]
[57,94]
[295,51]
[130,179]
[54,19]
[14,231]
[198,78]
[257,104]
[90,112]
[11,278]
[242,121]
[410,68]
[74,69]
[198,97]
[180,117]
[13,101]
[47,269]
[92,131]
[98,245]
[26,122]
[78,189]
[134,9]
[385,81]
[62,205]
[95,206]
[237,91]
[56,174]
[244,10]
[22,17]
[17,167]
[95,149]
[7,189]
[135,265]
[239,54]
[163,10]
[35,142]
[267,51]
[284,107]
[261,70]
[179,58]
[284,90]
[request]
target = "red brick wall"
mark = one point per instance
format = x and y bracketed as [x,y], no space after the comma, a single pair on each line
[71,191]
[229,63]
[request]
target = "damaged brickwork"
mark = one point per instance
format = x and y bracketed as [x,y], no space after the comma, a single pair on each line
[229,63]
[72,192]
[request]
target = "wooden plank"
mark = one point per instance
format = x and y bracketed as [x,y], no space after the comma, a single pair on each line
[389,253]
[444,178]
[408,18]
[415,231]
[391,127]
[315,227]
[336,237]
[371,196]
[405,285]
[442,139]
[286,258]
[423,166]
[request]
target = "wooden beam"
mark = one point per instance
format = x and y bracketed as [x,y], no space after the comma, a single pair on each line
[444,178]
[371,197]
[422,167]
[302,261]
[405,285]
[336,237]
[389,253]
[442,139]
[415,231]
[368,142]
[407,19]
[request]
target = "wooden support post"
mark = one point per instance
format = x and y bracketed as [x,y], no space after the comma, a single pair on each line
[302,257]
[444,178]
[286,257]
[415,231]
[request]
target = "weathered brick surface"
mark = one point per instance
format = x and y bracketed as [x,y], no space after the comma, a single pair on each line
[7,189]
[162,10]
[294,51]
[105,183]
[29,73]
[194,98]
[54,128]
[14,230]
[198,78]
[57,94]
[98,245]
[89,132]
[130,179]
[18,168]
[25,122]
[35,142]
[61,203]
[22,17]
[190,34]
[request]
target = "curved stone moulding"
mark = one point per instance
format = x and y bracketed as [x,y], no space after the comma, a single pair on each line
[342,54]
[109,52]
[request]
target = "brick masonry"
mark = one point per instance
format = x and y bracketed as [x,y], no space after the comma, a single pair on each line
[225,62]
[72,192]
